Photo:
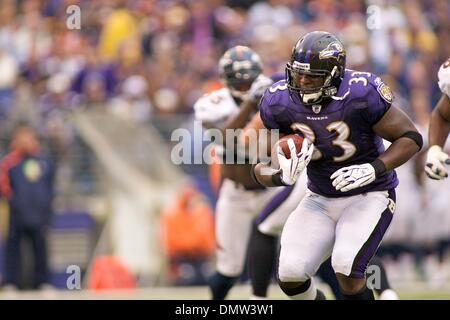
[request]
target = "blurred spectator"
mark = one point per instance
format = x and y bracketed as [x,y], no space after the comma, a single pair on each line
[26,175]
[175,44]
[133,102]
[188,237]
[119,26]
[55,98]
[8,76]
[93,69]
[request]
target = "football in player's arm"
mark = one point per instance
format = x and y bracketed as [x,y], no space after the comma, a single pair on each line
[395,126]
[439,128]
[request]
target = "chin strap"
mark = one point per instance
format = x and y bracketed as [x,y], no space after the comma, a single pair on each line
[342,97]
[307,97]
[316,96]
[243,95]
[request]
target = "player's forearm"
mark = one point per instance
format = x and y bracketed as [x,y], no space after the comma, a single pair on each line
[440,123]
[418,162]
[399,152]
[251,128]
[241,119]
[395,126]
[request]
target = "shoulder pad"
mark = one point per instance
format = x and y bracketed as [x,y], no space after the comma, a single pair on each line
[274,95]
[444,77]
[215,107]
[278,86]
[383,90]
[364,84]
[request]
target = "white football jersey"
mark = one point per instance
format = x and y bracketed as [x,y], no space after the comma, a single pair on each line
[444,77]
[216,108]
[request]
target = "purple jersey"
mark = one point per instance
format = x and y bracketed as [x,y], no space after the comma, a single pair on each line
[341,130]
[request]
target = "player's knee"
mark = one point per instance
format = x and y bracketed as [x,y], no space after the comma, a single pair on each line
[294,270]
[293,288]
[342,262]
[350,285]
[230,268]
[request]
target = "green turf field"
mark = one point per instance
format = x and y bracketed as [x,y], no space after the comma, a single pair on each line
[241,292]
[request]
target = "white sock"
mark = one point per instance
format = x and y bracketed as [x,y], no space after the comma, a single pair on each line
[253,297]
[388,294]
[309,294]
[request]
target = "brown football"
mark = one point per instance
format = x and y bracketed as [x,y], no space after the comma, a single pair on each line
[298,140]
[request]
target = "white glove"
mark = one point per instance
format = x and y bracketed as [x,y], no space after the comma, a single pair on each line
[258,87]
[434,166]
[352,177]
[291,169]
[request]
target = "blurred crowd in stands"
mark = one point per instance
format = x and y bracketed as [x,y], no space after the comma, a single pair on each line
[140,58]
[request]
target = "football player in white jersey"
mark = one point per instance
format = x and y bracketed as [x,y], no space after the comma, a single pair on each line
[240,197]
[439,128]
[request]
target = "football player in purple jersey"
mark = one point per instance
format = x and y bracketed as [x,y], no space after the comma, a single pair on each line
[344,116]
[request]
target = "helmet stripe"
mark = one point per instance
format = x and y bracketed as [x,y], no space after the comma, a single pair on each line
[308,51]
[239,53]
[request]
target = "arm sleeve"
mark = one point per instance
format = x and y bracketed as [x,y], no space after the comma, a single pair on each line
[265,113]
[215,109]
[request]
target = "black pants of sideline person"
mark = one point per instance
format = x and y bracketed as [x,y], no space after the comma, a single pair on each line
[16,261]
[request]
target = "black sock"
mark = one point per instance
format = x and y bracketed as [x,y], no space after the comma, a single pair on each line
[384,283]
[292,289]
[326,273]
[320,295]
[364,294]
[261,261]
[220,285]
